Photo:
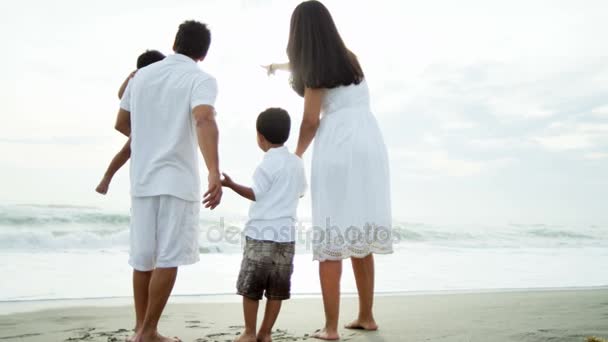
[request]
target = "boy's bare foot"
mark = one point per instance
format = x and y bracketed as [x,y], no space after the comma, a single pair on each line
[359,324]
[264,338]
[103,186]
[155,338]
[246,338]
[323,334]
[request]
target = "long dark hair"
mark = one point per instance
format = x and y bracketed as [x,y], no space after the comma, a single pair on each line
[317,55]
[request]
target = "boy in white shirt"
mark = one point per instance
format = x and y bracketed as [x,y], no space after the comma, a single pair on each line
[278,183]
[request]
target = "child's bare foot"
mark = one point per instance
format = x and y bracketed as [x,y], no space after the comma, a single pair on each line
[155,338]
[103,186]
[324,334]
[360,324]
[264,338]
[246,337]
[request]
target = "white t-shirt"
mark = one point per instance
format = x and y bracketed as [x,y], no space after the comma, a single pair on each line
[164,144]
[278,183]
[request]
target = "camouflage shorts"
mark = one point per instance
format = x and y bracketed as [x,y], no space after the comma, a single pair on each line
[266,269]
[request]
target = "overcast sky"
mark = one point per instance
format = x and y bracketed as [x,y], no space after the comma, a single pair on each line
[492,111]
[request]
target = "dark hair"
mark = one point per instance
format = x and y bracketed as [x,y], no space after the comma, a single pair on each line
[192,39]
[274,124]
[149,57]
[318,57]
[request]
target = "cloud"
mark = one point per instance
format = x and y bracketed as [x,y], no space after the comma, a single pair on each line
[66,140]
[571,135]
[600,112]
[435,162]
[565,141]
[596,155]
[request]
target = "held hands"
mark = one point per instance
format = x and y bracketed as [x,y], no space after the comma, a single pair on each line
[227,181]
[213,196]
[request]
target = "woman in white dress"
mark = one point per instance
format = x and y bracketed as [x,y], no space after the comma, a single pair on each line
[351,208]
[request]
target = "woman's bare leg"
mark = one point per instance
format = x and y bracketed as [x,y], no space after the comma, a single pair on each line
[330,273]
[363,269]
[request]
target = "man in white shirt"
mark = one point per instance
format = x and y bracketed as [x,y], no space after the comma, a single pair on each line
[168,111]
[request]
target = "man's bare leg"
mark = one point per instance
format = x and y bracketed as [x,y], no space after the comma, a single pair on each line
[141,283]
[271,313]
[161,285]
[250,313]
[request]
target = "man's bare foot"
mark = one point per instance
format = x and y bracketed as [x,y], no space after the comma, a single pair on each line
[264,338]
[362,325]
[103,186]
[155,338]
[323,334]
[246,337]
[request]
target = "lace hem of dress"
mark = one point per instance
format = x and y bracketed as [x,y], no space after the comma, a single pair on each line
[323,253]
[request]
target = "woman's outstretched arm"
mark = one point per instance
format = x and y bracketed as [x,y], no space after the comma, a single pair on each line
[272,68]
[310,120]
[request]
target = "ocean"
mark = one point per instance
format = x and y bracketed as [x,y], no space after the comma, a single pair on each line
[67,252]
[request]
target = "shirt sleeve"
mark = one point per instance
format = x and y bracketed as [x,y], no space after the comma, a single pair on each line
[204,93]
[125,102]
[261,183]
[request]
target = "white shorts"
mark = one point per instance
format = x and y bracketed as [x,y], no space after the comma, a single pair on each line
[164,232]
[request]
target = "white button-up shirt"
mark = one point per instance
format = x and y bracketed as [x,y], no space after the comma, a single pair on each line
[278,183]
[164,144]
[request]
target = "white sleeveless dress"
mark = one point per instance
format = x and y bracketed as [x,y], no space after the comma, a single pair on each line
[350,188]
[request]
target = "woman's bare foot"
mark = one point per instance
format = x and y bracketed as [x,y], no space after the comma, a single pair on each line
[359,324]
[323,334]
[246,337]
[103,186]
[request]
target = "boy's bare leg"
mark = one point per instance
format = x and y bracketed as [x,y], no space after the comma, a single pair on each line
[141,283]
[250,312]
[330,273]
[271,313]
[363,269]
[161,285]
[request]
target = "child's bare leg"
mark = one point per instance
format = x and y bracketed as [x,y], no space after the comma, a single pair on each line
[271,313]
[250,312]
[117,162]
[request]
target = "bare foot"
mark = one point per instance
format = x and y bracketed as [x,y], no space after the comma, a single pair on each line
[103,186]
[323,334]
[155,338]
[264,338]
[246,338]
[362,325]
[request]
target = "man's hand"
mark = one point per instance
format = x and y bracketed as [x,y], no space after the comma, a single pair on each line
[213,196]
[227,181]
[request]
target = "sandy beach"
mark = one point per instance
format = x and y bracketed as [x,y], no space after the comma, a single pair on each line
[548,315]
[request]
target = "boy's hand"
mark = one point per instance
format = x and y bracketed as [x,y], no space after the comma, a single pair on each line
[227,181]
